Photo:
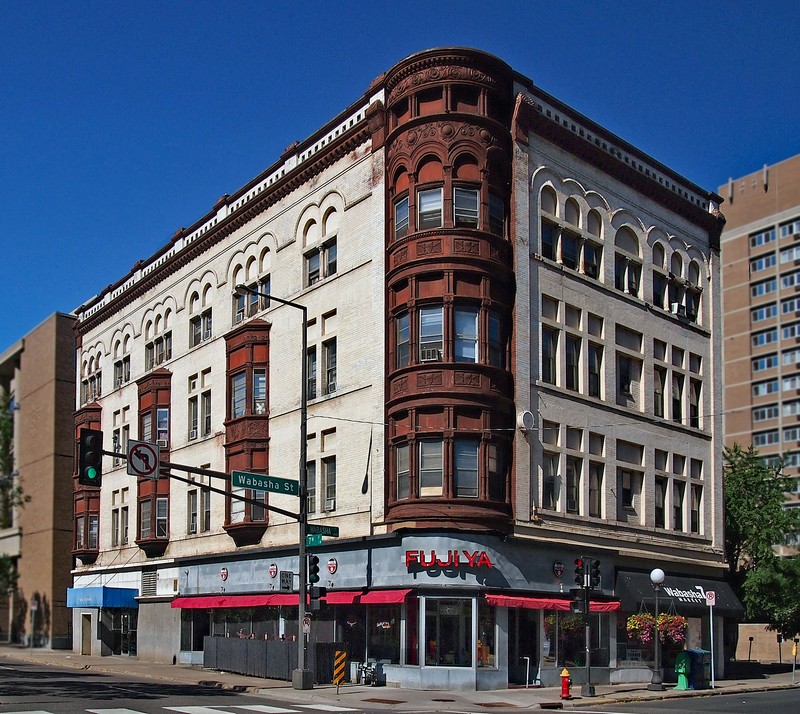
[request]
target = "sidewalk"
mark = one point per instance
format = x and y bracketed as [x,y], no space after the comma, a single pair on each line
[359,696]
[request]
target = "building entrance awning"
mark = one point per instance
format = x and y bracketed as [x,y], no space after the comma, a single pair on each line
[103,597]
[686,593]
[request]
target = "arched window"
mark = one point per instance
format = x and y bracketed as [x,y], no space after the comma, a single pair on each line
[627,266]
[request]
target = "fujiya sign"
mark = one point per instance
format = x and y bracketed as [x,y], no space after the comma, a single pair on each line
[453,559]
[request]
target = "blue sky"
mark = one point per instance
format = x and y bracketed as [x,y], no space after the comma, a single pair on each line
[120,122]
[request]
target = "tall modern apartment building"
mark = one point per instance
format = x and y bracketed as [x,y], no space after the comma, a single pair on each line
[37,387]
[761,301]
[512,362]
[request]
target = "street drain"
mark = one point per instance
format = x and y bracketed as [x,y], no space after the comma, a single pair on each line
[499,705]
[376,700]
[442,700]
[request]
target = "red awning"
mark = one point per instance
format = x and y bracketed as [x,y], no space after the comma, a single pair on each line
[342,597]
[216,601]
[529,603]
[545,603]
[384,597]
[595,606]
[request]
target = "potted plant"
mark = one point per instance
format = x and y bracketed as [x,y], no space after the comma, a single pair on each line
[672,628]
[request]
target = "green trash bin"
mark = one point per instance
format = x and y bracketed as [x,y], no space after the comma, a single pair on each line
[700,672]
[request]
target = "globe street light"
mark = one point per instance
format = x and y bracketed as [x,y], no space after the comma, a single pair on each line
[657,681]
[302,678]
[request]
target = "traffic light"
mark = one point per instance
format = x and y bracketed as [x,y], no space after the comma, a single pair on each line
[578,604]
[90,457]
[580,565]
[316,593]
[594,573]
[313,568]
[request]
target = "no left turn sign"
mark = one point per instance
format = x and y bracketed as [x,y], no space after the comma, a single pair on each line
[143,459]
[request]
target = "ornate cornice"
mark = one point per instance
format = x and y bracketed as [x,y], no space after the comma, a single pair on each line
[293,180]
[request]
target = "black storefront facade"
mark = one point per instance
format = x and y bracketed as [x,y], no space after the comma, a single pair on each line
[437,610]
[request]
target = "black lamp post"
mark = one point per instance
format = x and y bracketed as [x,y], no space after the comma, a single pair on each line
[302,678]
[657,681]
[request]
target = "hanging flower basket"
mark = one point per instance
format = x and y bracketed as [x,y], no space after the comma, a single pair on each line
[641,627]
[672,628]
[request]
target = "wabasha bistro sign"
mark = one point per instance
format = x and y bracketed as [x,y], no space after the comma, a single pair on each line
[453,559]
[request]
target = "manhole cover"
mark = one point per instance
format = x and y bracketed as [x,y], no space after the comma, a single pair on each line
[376,700]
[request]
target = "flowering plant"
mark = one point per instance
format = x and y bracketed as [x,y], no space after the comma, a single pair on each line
[641,626]
[672,628]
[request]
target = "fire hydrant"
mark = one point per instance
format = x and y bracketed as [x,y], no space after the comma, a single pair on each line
[566,682]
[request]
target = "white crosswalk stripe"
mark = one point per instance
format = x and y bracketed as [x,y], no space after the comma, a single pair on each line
[114,711]
[326,708]
[264,709]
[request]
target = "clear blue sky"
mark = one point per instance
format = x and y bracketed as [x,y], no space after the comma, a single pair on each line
[122,121]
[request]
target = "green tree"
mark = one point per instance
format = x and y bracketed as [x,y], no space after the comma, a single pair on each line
[770,594]
[755,522]
[11,494]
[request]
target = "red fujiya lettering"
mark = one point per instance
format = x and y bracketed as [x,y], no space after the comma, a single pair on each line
[476,559]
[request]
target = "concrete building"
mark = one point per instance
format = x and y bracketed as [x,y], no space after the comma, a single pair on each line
[513,330]
[37,383]
[760,253]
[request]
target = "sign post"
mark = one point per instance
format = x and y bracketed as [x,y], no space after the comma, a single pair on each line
[711,600]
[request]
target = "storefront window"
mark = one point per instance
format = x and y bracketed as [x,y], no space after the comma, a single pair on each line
[448,632]
[384,633]
[565,640]
[487,630]
[523,644]
[262,622]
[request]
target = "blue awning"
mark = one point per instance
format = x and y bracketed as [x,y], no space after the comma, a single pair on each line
[102,597]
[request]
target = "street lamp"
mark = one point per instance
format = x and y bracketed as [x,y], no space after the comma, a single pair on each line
[657,681]
[302,678]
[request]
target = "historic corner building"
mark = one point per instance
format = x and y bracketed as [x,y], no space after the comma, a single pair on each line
[512,361]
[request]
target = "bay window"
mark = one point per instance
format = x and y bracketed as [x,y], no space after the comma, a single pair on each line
[430,468]
[429,209]
[431,338]
[403,471]
[465,207]
[238,394]
[466,467]
[401,218]
[466,334]
[403,333]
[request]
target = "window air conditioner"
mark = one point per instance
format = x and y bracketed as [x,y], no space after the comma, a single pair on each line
[677,308]
[162,443]
[330,504]
[239,316]
[118,382]
[207,335]
[193,434]
[429,354]
[331,387]
[193,528]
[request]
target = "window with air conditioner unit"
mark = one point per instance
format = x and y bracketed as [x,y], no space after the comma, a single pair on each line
[677,308]
[162,443]
[330,504]
[430,354]
[193,434]
[193,528]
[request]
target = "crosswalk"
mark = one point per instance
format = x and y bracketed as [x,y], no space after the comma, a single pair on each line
[239,709]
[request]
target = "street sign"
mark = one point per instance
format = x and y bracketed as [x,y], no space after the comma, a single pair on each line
[260,482]
[144,459]
[711,598]
[323,530]
[286,579]
[313,539]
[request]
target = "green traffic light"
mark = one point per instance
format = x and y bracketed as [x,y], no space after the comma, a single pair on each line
[91,472]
